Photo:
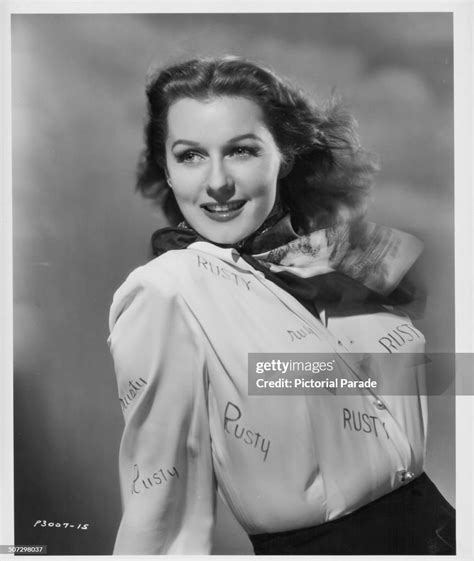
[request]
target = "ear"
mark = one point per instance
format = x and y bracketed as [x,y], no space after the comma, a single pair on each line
[286,167]
[168,180]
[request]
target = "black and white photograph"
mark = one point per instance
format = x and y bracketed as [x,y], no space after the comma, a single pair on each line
[234,281]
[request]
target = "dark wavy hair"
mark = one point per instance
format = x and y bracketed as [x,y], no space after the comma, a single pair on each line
[331,176]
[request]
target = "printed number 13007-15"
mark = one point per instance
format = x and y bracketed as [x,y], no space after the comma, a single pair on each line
[44,524]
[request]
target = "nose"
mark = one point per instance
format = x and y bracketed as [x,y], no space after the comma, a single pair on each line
[220,184]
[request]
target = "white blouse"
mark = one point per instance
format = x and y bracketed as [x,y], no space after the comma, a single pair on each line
[181,329]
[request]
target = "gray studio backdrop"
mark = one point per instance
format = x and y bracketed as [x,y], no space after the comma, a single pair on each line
[79,229]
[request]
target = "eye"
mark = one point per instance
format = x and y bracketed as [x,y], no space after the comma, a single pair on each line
[243,151]
[189,157]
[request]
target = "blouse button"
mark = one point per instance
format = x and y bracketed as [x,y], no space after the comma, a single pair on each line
[379,404]
[405,476]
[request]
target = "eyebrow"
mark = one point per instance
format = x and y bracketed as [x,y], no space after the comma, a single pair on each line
[230,141]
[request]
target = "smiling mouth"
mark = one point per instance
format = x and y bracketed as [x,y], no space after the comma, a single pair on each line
[222,212]
[223,208]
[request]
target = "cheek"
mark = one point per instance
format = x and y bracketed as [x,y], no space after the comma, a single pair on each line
[261,180]
[186,184]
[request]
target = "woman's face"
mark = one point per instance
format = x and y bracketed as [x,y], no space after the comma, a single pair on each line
[223,166]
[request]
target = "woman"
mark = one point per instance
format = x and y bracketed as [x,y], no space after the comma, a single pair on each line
[271,255]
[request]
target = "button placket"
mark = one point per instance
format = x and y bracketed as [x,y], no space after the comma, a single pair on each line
[397,439]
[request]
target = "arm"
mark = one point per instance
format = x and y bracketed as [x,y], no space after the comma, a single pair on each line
[166,473]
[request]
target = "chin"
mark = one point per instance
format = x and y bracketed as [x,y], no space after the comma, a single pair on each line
[228,239]
[227,234]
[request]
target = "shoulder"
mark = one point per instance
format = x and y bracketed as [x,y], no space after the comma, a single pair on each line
[164,273]
[158,283]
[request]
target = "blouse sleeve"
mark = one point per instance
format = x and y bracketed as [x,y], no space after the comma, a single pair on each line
[166,474]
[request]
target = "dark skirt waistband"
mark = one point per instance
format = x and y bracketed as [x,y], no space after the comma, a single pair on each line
[412,520]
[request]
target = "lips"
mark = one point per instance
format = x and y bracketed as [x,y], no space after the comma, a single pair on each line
[223,211]
[227,207]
